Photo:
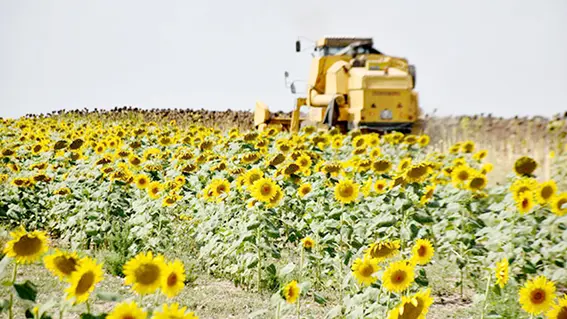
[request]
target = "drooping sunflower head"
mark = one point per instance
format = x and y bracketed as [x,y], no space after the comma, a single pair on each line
[427,194]
[291,291]
[145,272]
[84,279]
[537,295]
[62,264]
[127,310]
[398,276]
[363,269]
[275,201]
[173,280]
[467,147]
[346,191]
[304,189]
[383,250]
[501,272]
[26,247]
[173,311]
[417,173]
[559,204]
[480,155]
[413,307]
[381,166]
[525,166]
[404,164]
[422,251]
[546,191]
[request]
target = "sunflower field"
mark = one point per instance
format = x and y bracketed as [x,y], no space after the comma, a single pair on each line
[321,224]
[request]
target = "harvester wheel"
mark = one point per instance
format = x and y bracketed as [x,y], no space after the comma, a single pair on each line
[331,114]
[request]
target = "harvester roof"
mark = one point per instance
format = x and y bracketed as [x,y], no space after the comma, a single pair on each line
[341,41]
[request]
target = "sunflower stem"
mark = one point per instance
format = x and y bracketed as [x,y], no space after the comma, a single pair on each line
[259,268]
[88,307]
[10,313]
[299,306]
[278,309]
[486,292]
[388,304]
[15,273]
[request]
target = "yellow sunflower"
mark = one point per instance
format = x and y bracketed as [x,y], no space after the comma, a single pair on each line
[381,166]
[380,186]
[398,276]
[559,310]
[154,189]
[423,140]
[427,194]
[537,295]
[264,189]
[127,310]
[84,279]
[545,192]
[525,166]
[62,264]
[461,174]
[308,242]
[486,168]
[173,311]
[346,191]
[404,164]
[480,155]
[26,247]
[304,189]
[277,198]
[467,147]
[174,279]
[252,176]
[142,181]
[525,202]
[145,272]
[383,250]
[559,204]
[291,292]
[477,183]
[522,185]
[417,173]
[220,186]
[364,269]
[502,272]
[422,251]
[413,307]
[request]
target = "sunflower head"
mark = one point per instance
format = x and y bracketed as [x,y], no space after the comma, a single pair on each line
[559,310]
[537,295]
[145,272]
[477,183]
[381,166]
[559,204]
[380,186]
[417,173]
[174,279]
[501,272]
[84,279]
[398,276]
[62,264]
[422,251]
[291,292]
[173,311]
[546,191]
[413,307]
[383,250]
[264,189]
[304,189]
[363,269]
[127,310]
[525,202]
[346,191]
[525,166]
[26,247]
[308,243]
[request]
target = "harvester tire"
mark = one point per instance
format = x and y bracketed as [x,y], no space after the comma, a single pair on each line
[331,114]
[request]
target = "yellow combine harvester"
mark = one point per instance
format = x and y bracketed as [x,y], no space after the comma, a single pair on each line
[353,85]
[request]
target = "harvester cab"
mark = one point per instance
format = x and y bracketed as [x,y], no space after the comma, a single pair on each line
[353,85]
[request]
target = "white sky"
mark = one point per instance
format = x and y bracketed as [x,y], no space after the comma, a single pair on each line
[491,56]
